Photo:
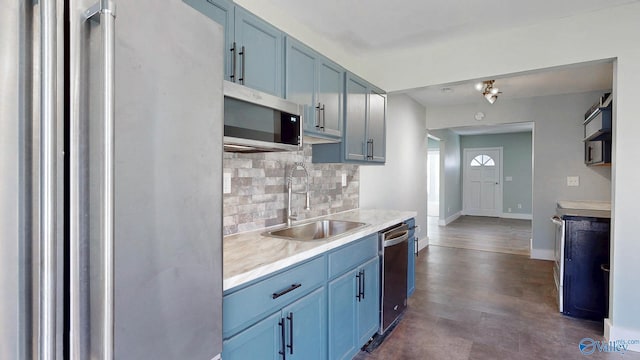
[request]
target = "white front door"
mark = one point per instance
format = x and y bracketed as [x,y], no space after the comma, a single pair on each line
[482,188]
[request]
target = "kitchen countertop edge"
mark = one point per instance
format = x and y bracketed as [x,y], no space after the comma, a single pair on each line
[250,263]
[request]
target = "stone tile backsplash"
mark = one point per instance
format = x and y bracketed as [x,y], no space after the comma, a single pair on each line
[258,197]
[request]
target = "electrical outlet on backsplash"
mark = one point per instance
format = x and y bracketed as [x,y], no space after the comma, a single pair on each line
[258,196]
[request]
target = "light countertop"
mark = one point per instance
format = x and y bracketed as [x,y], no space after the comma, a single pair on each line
[249,256]
[587,208]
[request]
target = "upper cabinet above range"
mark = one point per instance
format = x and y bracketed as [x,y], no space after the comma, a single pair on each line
[254,48]
[315,82]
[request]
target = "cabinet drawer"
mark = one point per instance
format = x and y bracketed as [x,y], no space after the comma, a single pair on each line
[352,255]
[246,306]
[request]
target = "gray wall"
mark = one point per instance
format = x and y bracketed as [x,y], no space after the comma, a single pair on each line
[450,178]
[557,151]
[402,182]
[516,163]
[258,195]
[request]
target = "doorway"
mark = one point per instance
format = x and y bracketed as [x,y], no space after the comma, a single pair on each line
[433,177]
[482,185]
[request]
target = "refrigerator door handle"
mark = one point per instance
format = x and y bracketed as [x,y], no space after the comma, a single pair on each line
[105,11]
[48,120]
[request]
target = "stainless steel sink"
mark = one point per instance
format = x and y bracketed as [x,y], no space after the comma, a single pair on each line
[319,230]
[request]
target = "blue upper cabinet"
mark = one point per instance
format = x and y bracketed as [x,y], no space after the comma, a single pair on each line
[260,53]
[222,12]
[363,139]
[330,96]
[254,48]
[301,71]
[356,142]
[376,125]
[315,82]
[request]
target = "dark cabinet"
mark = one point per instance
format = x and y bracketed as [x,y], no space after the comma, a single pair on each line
[597,152]
[597,135]
[586,249]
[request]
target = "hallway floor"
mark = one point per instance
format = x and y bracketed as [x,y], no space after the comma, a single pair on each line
[473,304]
[509,236]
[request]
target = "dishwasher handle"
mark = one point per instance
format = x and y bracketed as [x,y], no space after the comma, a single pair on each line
[397,238]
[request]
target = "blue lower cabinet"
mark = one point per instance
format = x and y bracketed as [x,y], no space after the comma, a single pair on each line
[411,267]
[354,309]
[369,302]
[306,329]
[343,315]
[411,263]
[260,341]
[298,331]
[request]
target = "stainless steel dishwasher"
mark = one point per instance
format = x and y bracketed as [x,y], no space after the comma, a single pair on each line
[393,251]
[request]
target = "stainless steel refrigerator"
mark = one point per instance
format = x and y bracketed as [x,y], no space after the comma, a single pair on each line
[110,180]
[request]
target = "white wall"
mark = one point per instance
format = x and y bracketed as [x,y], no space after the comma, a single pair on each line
[555,43]
[450,178]
[557,151]
[402,182]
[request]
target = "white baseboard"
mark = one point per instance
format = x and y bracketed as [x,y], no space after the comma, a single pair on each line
[423,243]
[517,216]
[542,254]
[617,333]
[450,219]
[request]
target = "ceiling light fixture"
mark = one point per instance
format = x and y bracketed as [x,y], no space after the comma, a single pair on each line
[489,92]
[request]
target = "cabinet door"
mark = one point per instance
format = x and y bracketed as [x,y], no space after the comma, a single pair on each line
[260,341]
[376,125]
[356,117]
[342,316]
[220,11]
[330,96]
[586,249]
[301,81]
[411,267]
[369,305]
[260,53]
[306,321]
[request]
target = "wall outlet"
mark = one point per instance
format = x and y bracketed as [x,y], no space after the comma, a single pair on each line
[509,209]
[573,180]
[344,179]
[508,178]
[226,183]
[519,206]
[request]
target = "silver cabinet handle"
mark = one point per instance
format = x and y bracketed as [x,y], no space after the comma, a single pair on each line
[106,11]
[48,120]
[233,62]
[323,117]
[243,55]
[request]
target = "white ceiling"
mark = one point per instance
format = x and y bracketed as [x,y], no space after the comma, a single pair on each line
[565,80]
[364,25]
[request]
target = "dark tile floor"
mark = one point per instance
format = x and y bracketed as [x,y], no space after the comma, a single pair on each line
[473,304]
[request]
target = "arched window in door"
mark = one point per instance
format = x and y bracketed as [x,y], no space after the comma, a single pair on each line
[482,160]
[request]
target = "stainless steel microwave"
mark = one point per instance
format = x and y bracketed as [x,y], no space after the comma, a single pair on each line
[257,122]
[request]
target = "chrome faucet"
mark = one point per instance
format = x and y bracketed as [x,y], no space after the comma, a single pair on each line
[296,166]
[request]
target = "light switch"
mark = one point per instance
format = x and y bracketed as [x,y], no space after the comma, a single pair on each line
[508,178]
[226,183]
[573,181]
[344,179]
